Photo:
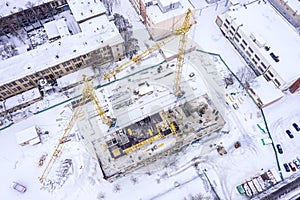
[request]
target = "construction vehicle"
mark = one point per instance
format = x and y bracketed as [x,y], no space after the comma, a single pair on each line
[182,32]
[42,159]
[88,93]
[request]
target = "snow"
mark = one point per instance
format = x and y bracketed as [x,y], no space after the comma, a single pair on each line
[86,9]
[295,5]
[276,32]
[8,7]
[74,77]
[56,28]
[157,180]
[165,3]
[156,15]
[28,135]
[265,91]
[22,98]
[97,25]
[66,48]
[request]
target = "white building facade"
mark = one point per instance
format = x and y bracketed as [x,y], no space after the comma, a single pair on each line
[267,43]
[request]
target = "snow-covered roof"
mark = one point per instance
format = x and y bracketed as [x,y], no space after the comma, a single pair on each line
[74,77]
[27,135]
[97,24]
[266,91]
[8,7]
[45,56]
[165,3]
[22,98]
[294,4]
[157,15]
[276,32]
[56,28]
[86,9]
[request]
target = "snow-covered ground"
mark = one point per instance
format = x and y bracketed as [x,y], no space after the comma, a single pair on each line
[183,175]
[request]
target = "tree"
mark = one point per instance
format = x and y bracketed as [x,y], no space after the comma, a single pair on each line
[109,5]
[246,76]
[101,196]
[124,27]
[117,188]
[134,180]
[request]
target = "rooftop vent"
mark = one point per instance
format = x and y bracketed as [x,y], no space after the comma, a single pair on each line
[267,48]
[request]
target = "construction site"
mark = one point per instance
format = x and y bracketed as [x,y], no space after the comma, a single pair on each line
[150,113]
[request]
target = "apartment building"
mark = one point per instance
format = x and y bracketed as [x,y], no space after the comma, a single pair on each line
[98,42]
[19,14]
[162,17]
[289,9]
[266,41]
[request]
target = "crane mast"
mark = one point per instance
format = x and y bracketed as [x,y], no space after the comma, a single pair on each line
[88,92]
[182,31]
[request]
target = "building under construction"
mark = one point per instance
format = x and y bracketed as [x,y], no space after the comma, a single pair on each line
[123,149]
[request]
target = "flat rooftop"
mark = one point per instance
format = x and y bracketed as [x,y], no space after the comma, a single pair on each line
[167,2]
[266,91]
[98,25]
[86,9]
[56,28]
[66,48]
[295,5]
[9,7]
[276,32]
[157,16]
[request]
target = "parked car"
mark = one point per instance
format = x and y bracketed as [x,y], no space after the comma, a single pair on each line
[289,134]
[192,74]
[279,148]
[286,167]
[296,126]
[292,166]
[19,187]
[297,163]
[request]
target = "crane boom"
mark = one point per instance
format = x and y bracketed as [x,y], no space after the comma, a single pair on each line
[88,92]
[58,149]
[138,58]
[182,31]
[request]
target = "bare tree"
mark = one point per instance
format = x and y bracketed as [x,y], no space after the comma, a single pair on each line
[117,188]
[134,180]
[101,196]
[109,5]
[246,76]
[30,5]
[228,80]
[124,27]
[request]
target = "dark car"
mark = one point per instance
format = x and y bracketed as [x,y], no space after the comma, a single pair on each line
[296,162]
[289,134]
[296,126]
[192,74]
[19,187]
[286,167]
[292,166]
[279,148]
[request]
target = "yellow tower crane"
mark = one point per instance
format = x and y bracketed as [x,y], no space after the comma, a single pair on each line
[182,31]
[88,92]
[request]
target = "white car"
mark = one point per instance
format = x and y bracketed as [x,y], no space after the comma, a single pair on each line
[19,187]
